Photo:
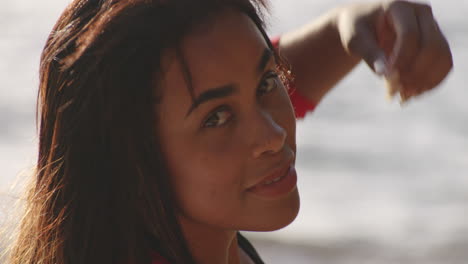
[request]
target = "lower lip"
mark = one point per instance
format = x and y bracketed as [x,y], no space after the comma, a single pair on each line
[276,189]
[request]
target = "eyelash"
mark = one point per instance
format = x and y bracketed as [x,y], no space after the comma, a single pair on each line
[222,109]
[268,76]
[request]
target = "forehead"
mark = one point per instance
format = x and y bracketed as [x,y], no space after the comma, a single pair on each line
[223,50]
[229,39]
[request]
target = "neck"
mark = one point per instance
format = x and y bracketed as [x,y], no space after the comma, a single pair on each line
[210,245]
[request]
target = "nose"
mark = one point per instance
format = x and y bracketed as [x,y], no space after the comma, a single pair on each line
[268,136]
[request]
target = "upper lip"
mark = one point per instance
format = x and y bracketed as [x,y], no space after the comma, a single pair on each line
[278,171]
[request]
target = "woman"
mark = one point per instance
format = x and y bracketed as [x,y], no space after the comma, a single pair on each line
[165,126]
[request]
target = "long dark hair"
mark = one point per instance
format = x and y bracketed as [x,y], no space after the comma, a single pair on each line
[101,192]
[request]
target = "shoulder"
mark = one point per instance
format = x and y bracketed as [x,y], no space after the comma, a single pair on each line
[243,242]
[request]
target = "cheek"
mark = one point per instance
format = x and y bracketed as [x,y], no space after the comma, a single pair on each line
[282,111]
[207,180]
[209,174]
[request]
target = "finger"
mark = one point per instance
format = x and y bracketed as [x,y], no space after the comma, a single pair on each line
[428,28]
[429,45]
[438,68]
[434,59]
[423,72]
[405,24]
[385,35]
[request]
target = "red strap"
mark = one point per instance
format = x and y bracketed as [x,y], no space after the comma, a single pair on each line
[301,104]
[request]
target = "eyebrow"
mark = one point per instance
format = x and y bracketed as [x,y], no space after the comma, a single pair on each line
[214,93]
[267,54]
[228,89]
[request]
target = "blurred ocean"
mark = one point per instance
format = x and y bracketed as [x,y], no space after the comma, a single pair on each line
[379,183]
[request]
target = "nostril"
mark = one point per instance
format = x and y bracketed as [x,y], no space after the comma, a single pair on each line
[269,140]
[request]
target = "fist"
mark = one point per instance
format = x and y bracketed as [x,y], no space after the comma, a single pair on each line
[400,40]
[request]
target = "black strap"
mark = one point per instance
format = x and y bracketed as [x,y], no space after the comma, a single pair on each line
[243,243]
[249,249]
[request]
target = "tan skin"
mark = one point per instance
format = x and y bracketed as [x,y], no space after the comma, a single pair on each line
[404,33]
[217,151]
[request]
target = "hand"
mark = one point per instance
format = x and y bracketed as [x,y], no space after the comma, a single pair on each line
[400,40]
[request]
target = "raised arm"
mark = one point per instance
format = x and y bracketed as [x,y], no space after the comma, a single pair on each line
[398,39]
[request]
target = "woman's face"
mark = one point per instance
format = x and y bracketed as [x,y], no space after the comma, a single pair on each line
[225,145]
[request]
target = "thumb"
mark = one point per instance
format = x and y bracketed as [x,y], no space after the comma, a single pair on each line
[373,42]
[365,45]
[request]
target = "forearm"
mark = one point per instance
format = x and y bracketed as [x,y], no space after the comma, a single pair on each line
[317,57]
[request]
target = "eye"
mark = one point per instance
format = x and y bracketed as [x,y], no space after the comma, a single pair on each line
[218,118]
[269,83]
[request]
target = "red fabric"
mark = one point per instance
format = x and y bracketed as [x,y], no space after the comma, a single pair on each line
[301,104]
[157,259]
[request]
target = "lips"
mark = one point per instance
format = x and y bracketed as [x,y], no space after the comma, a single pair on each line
[276,176]
[277,185]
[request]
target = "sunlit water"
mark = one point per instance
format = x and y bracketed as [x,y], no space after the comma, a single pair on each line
[379,183]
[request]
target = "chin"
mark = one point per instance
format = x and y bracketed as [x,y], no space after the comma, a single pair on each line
[280,216]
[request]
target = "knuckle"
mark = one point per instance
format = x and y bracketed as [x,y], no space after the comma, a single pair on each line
[425,8]
[396,3]
[393,6]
